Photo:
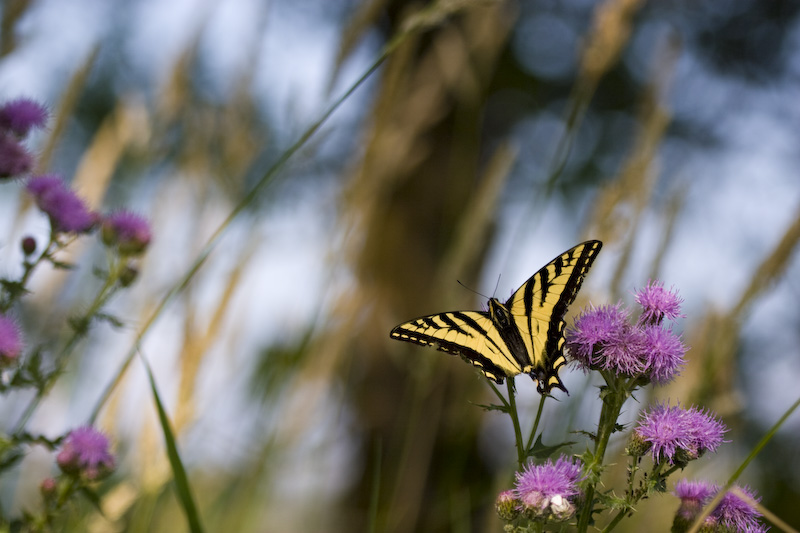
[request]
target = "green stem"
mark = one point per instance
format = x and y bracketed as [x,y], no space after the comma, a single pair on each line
[535,428]
[512,412]
[617,517]
[47,253]
[615,397]
[632,474]
[110,286]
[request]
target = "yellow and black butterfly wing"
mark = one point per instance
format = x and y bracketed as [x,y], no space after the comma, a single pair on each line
[538,308]
[469,334]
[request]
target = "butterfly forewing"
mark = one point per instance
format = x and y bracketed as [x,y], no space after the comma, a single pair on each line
[470,334]
[539,306]
[537,310]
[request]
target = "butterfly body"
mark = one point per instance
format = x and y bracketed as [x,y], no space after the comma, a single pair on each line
[524,335]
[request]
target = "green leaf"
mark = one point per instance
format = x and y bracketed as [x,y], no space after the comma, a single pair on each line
[15,289]
[492,407]
[11,458]
[539,450]
[80,325]
[27,438]
[179,472]
[93,498]
[62,265]
[609,500]
[111,319]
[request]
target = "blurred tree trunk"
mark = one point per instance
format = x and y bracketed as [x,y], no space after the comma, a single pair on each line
[415,231]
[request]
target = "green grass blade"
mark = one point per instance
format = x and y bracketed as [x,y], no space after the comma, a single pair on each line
[179,472]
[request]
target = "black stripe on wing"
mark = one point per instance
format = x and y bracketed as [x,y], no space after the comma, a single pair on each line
[580,259]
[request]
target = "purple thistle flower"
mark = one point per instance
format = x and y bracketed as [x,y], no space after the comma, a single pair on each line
[679,435]
[662,353]
[15,160]
[657,303]
[549,487]
[22,114]
[128,231]
[67,212]
[10,340]
[593,329]
[736,514]
[623,354]
[694,496]
[705,430]
[731,514]
[85,453]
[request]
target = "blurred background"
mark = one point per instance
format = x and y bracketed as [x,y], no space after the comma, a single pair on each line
[493,138]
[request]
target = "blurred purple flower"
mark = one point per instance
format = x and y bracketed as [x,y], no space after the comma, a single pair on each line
[86,453]
[731,514]
[736,514]
[129,232]
[658,303]
[694,496]
[549,487]
[67,212]
[679,435]
[20,115]
[10,340]
[15,160]
[663,353]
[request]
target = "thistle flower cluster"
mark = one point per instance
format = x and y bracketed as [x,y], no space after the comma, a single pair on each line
[542,492]
[17,119]
[629,353]
[86,455]
[68,213]
[128,232]
[676,435]
[732,514]
[604,338]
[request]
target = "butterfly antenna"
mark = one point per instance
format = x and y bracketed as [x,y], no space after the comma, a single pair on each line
[472,290]
[496,285]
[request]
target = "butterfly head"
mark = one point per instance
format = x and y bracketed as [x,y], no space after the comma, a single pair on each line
[499,313]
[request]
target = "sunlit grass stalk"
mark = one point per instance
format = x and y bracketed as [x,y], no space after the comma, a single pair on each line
[248,199]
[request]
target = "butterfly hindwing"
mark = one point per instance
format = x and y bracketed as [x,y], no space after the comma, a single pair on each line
[524,335]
